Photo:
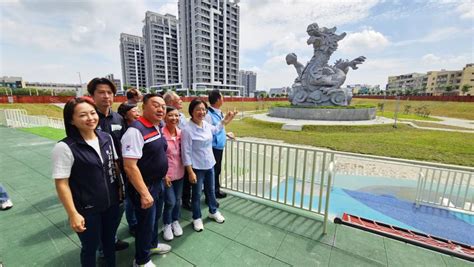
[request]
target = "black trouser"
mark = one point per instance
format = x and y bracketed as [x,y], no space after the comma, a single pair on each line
[100,228]
[217,168]
[186,197]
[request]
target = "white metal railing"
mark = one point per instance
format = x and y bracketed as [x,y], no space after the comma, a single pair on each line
[298,176]
[279,173]
[19,118]
[445,189]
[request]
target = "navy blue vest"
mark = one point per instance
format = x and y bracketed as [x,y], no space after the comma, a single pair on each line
[153,164]
[93,184]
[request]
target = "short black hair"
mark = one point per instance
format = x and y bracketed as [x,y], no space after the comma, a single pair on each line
[124,108]
[68,113]
[195,102]
[131,93]
[92,85]
[148,96]
[214,96]
[170,108]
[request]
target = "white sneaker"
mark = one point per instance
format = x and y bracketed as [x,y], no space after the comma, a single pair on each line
[198,226]
[6,205]
[160,249]
[168,233]
[148,264]
[217,217]
[177,230]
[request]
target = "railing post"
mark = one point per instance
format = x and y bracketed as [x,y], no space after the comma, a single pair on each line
[321,186]
[328,194]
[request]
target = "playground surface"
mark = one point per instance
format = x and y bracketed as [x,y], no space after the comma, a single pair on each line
[35,232]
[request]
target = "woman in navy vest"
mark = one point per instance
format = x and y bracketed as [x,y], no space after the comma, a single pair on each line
[85,174]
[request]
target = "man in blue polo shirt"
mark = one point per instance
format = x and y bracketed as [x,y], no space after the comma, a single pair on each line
[214,116]
[146,164]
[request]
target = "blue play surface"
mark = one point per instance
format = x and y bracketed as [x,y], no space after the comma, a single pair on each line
[391,210]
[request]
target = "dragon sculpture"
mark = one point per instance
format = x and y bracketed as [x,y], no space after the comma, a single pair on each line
[319,84]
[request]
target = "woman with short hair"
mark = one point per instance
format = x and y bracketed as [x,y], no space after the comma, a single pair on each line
[198,159]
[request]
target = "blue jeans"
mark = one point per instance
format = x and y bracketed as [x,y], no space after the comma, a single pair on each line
[129,210]
[172,211]
[100,228]
[147,227]
[205,177]
[3,194]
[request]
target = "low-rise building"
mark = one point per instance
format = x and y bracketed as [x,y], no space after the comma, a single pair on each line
[116,82]
[12,82]
[435,82]
[407,81]
[279,92]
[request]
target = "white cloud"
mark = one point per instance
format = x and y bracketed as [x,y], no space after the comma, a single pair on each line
[265,22]
[170,8]
[438,34]
[430,59]
[79,30]
[362,41]
[466,9]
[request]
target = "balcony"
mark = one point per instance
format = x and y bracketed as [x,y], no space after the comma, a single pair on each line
[35,232]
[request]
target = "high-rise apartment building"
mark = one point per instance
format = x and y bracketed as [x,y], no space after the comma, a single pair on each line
[160,33]
[248,79]
[209,41]
[132,55]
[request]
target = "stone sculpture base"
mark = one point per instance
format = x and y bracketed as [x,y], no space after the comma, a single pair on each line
[339,114]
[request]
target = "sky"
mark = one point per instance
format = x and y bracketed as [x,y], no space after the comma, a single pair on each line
[53,41]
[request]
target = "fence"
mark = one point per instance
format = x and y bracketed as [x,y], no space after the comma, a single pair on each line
[303,178]
[117,99]
[453,98]
[269,172]
[445,188]
[19,118]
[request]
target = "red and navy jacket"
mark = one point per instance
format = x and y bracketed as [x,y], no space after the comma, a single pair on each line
[153,164]
[93,183]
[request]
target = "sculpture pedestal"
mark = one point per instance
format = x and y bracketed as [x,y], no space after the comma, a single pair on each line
[321,114]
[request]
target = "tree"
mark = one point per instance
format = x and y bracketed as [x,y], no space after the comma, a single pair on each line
[448,88]
[466,88]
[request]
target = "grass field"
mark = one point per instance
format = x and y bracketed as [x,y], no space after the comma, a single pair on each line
[447,109]
[55,111]
[461,110]
[50,133]
[383,140]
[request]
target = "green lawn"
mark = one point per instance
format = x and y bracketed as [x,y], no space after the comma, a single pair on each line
[461,110]
[382,140]
[50,133]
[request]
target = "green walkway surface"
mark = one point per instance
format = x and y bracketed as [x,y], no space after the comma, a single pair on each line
[35,232]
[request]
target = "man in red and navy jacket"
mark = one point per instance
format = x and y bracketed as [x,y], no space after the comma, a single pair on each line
[146,164]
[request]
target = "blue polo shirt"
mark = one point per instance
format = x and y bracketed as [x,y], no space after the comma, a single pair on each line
[214,116]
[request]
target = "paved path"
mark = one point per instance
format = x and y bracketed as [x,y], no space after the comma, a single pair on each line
[377,121]
[288,123]
[455,122]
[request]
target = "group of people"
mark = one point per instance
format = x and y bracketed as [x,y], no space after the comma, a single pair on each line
[145,165]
